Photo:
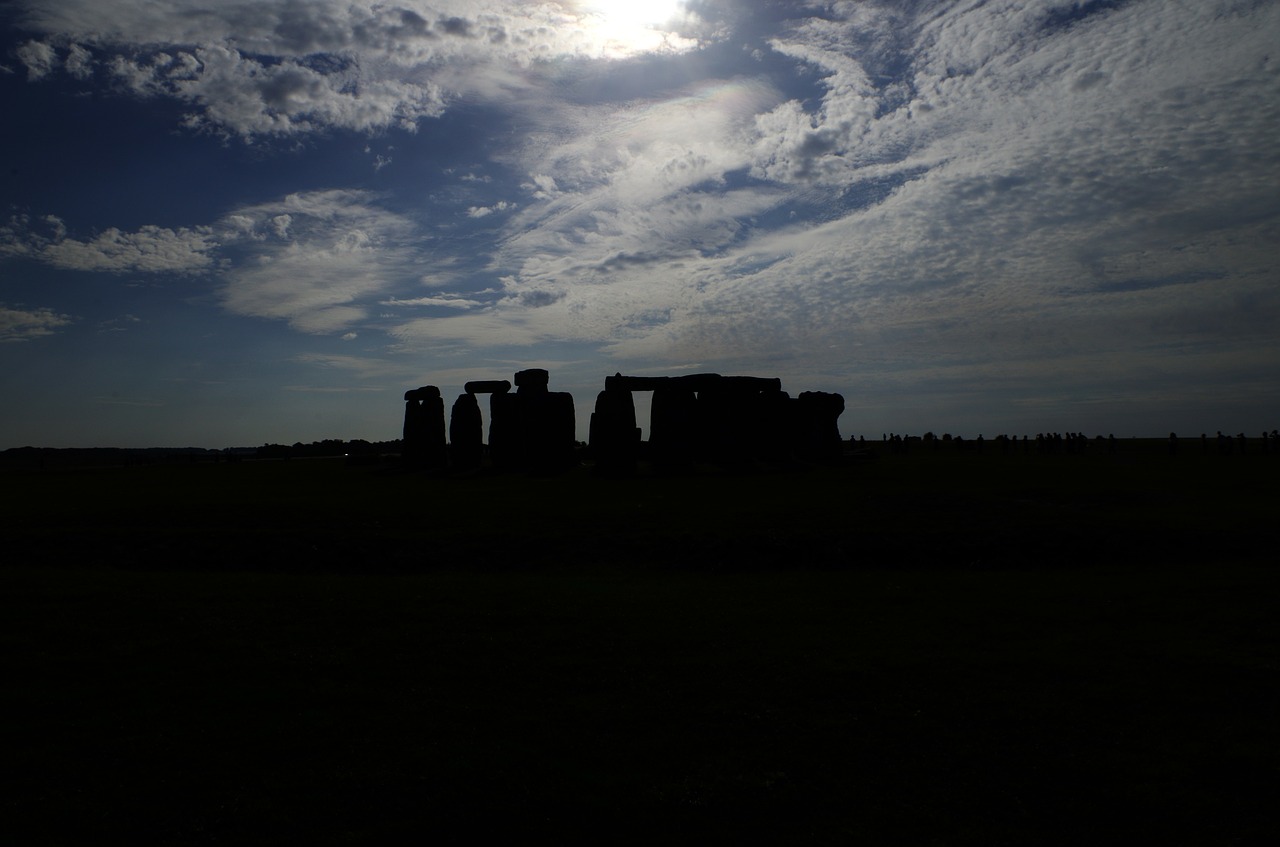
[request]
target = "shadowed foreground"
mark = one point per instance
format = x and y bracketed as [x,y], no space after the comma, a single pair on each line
[919,650]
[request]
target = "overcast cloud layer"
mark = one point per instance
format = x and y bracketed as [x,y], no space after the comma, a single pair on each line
[976,216]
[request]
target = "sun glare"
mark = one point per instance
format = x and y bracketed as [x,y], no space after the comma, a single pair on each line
[635,12]
[635,26]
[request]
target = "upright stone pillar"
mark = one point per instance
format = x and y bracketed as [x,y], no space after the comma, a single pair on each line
[728,418]
[424,441]
[466,432]
[673,428]
[817,424]
[546,431]
[615,440]
[773,426]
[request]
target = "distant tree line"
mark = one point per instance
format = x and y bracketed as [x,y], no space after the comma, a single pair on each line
[327,448]
[50,458]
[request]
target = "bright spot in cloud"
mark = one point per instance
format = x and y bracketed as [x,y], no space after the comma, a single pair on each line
[635,12]
[633,26]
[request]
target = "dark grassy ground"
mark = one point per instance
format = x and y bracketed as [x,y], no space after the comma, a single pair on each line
[926,649]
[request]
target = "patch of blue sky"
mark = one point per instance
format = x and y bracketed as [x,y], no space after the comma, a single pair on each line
[1064,15]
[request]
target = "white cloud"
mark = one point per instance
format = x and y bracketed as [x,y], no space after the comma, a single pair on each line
[982,170]
[120,324]
[624,201]
[150,249]
[79,62]
[381,371]
[39,58]
[494,328]
[999,187]
[285,67]
[441,301]
[330,256]
[19,324]
[484,211]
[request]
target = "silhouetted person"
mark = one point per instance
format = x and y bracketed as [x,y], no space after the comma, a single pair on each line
[1173,443]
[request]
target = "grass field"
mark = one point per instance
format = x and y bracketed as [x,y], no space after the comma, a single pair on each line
[936,648]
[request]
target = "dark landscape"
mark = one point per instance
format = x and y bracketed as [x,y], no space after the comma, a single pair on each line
[936,646]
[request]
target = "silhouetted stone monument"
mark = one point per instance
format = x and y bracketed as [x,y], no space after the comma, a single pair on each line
[817,424]
[495,388]
[487,386]
[424,442]
[614,439]
[533,429]
[466,432]
[545,436]
[726,419]
[729,413]
[674,427]
[775,410]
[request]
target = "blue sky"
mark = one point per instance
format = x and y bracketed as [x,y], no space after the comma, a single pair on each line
[233,223]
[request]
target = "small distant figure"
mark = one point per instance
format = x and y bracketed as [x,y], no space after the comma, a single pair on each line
[1173,443]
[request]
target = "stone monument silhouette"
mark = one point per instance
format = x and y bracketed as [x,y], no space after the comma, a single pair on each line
[727,420]
[424,443]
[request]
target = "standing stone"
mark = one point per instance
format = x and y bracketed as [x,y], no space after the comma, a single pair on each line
[817,424]
[533,429]
[614,438]
[466,432]
[504,430]
[728,414]
[424,440]
[673,428]
[532,380]
[773,425]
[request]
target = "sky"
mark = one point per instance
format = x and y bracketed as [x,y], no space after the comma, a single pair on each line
[227,224]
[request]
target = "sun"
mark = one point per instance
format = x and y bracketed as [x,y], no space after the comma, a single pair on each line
[637,13]
[622,28]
